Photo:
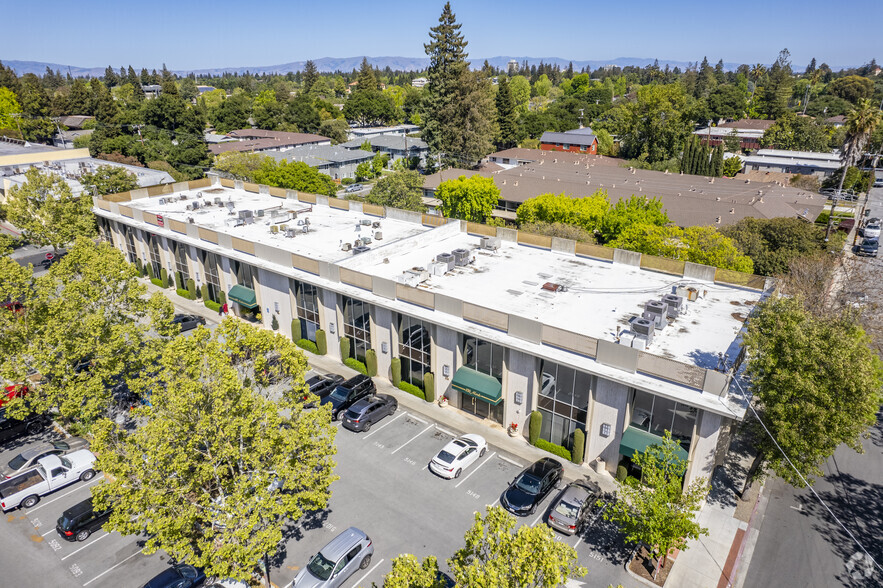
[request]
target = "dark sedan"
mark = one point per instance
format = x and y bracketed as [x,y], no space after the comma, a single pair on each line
[322,386]
[368,411]
[177,576]
[188,321]
[869,247]
[531,486]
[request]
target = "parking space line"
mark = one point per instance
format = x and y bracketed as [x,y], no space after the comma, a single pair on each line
[84,546]
[367,573]
[496,502]
[110,569]
[445,431]
[475,469]
[515,463]
[579,538]
[380,428]
[47,532]
[89,483]
[418,419]
[538,519]
[412,438]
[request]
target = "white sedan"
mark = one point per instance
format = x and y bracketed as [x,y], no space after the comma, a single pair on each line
[457,455]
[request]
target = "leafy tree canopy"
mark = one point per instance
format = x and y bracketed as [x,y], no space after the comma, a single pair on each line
[773,243]
[703,245]
[471,199]
[403,189]
[294,176]
[109,179]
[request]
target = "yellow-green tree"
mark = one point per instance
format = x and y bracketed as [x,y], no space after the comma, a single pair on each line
[471,199]
[108,179]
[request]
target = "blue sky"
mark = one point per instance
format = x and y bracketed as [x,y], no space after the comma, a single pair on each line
[189,34]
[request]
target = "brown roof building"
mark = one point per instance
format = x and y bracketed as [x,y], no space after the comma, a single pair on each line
[257,140]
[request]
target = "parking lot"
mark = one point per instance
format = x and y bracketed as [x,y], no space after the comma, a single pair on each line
[385,489]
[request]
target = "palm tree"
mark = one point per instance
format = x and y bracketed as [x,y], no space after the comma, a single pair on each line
[860,123]
[756,72]
[813,80]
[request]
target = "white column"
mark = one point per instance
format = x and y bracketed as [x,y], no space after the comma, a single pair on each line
[328,314]
[381,332]
[521,370]
[444,353]
[609,406]
[702,449]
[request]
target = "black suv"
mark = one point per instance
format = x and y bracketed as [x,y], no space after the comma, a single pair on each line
[13,428]
[368,411]
[345,395]
[80,521]
[531,486]
[322,386]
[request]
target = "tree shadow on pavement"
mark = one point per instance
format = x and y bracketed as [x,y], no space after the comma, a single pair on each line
[728,479]
[605,538]
[296,530]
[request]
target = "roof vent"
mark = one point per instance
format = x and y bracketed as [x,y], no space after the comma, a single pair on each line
[553,287]
[346,247]
[362,249]
[492,243]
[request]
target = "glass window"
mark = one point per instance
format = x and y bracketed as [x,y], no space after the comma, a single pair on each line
[244,274]
[155,259]
[415,344]
[357,327]
[131,250]
[306,298]
[657,415]
[483,356]
[210,264]
[563,402]
[180,251]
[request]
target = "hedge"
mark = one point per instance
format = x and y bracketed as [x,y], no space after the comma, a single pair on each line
[185,294]
[164,276]
[356,365]
[536,425]
[552,448]
[395,368]
[150,273]
[308,345]
[157,282]
[212,305]
[429,387]
[296,332]
[579,446]
[191,287]
[179,281]
[371,362]
[222,298]
[412,389]
[274,323]
[204,291]
[621,473]
[321,342]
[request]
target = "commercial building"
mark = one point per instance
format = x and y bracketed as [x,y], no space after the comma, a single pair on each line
[793,162]
[616,345]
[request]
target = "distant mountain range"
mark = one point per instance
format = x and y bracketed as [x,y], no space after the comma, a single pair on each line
[331,64]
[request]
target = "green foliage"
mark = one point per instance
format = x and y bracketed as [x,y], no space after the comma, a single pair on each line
[411,389]
[8,106]
[344,347]
[211,304]
[364,171]
[402,189]
[150,273]
[796,133]
[507,116]
[179,281]
[395,367]
[471,199]
[308,345]
[535,426]
[371,362]
[109,179]
[856,180]
[703,245]
[558,450]
[335,129]
[815,382]
[626,212]
[605,142]
[191,287]
[158,282]
[294,176]
[164,278]
[429,386]
[238,165]
[773,243]
[851,88]
[355,364]
[658,511]
[498,554]
[203,291]
[185,294]
[274,323]
[222,297]
[579,446]
[408,572]
[296,331]
[561,230]
[732,166]
[717,161]
[621,473]
[321,342]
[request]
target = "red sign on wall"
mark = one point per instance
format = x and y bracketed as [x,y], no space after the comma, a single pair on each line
[159,220]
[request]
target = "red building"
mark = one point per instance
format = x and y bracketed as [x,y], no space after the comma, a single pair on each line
[576,141]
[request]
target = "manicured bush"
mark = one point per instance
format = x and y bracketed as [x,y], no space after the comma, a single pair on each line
[150,273]
[579,446]
[356,365]
[536,425]
[412,389]
[429,386]
[157,282]
[274,323]
[222,298]
[204,291]
[179,281]
[344,348]
[321,342]
[185,294]
[191,286]
[552,448]
[211,304]
[164,276]
[139,266]
[395,368]
[308,345]
[347,181]
[371,362]
[296,333]
[621,473]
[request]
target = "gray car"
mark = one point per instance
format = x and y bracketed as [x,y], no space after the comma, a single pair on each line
[570,512]
[27,459]
[337,561]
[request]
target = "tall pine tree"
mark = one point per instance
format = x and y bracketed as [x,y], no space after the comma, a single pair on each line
[717,161]
[507,117]
[310,76]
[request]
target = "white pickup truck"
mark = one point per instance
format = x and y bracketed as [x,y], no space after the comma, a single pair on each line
[51,473]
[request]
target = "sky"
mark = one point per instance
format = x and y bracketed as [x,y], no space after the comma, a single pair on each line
[192,34]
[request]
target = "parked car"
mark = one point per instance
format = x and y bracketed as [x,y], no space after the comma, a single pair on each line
[13,391]
[28,458]
[458,455]
[872,229]
[353,188]
[11,428]
[337,561]
[177,576]
[868,247]
[878,183]
[531,486]
[322,386]
[80,521]
[347,394]
[367,411]
[188,321]
[52,472]
[570,512]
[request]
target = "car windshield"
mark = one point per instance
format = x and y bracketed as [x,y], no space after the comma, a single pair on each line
[320,567]
[65,462]
[445,456]
[353,415]
[187,571]
[528,484]
[465,441]
[340,393]
[17,462]
[568,510]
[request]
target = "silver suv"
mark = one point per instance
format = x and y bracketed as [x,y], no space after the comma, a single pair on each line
[337,561]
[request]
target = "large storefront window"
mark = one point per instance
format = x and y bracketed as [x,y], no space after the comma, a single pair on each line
[131,250]
[563,402]
[656,415]
[485,358]
[155,259]
[210,268]
[244,274]
[181,267]
[357,327]
[414,348]
[306,298]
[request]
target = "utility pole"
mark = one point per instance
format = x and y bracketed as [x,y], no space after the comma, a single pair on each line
[138,128]
[55,119]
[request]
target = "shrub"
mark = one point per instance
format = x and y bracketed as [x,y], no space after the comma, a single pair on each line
[211,304]
[536,424]
[371,362]
[621,474]
[222,298]
[296,333]
[204,291]
[150,273]
[347,181]
[308,345]
[274,323]
[321,342]
[179,281]
[344,348]
[164,276]
[429,387]
[395,368]
[139,266]
[412,389]
[157,282]
[356,365]
[552,448]
[579,446]
[191,287]
[185,294]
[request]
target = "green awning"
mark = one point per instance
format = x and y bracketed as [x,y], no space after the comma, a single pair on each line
[477,385]
[637,441]
[244,296]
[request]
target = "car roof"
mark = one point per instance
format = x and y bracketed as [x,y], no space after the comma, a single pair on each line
[34,451]
[341,544]
[577,492]
[355,381]
[79,508]
[544,466]
[362,404]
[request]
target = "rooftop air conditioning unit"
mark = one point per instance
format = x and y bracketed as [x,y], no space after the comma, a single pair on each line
[461,257]
[162,201]
[375,225]
[643,328]
[438,269]
[357,243]
[378,235]
[492,243]
[244,214]
[283,227]
[626,338]
[366,240]
[346,247]
[366,222]
[218,201]
[417,274]
[362,249]
[655,311]
[290,232]
[447,260]
[260,213]
[274,229]
[675,305]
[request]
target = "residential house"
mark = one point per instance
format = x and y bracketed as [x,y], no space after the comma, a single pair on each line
[259,140]
[793,162]
[396,146]
[747,130]
[581,140]
[331,160]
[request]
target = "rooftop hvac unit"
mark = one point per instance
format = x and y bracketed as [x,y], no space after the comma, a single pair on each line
[366,240]
[357,243]
[162,201]
[375,225]
[183,197]
[366,222]
[218,201]
[438,269]
[626,338]
[244,214]
[362,249]
[655,311]
[418,274]
[346,246]
[260,213]
[675,305]
[640,342]
[274,229]
[461,257]
[492,243]
[378,235]
[446,259]
[283,227]
[292,233]
[195,205]
[642,326]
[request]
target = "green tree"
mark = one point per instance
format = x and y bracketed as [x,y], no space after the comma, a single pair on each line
[796,133]
[217,469]
[717,161]
[35,123]
[409,572]
[402,189]
[703,245]
[310,76]
[727,101]
[294,176]
[520,88]
[239,165]
[46,212]
[732,166]
[496,554]
[233,113]
[815,383]
[507,119]
[187,89]
[586,213]
[8,106]
[637,209]
[773,100]
[851,88]
[773,243]
[335,129]
[378,164]
[302,115]
[657,511]
[364,171]
[109,179]
[471,199]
